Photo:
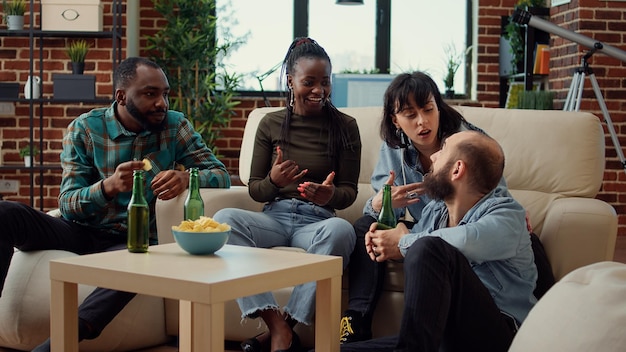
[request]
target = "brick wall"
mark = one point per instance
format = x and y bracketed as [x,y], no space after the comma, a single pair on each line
[601,20]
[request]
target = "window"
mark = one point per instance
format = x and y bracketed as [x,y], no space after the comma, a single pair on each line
[267,28]
[419,34]
[346,32]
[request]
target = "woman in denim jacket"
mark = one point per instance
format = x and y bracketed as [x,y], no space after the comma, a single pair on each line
[415,122]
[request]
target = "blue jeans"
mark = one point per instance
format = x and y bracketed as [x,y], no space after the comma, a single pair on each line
[291,223]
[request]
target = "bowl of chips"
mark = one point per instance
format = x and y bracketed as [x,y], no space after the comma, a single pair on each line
[202,236]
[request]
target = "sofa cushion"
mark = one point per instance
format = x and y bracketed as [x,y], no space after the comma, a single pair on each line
[25,307]
[584,311]
[554,136]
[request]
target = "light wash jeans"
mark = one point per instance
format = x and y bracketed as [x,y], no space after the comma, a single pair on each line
[293,223]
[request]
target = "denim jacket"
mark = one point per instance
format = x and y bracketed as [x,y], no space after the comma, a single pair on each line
[494,239]
[409,171]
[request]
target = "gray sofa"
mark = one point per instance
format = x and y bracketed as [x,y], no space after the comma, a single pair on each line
[554,167]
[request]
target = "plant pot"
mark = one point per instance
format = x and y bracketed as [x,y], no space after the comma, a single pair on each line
[15,23]
[28,161]
[74,87]
[78,68]
[449,94]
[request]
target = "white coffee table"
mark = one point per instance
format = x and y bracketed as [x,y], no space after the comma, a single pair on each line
[202,284]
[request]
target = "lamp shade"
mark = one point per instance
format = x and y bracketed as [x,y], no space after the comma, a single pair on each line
[349,2]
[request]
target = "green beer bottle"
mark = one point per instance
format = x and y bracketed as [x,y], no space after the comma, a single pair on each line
[194,206]
[138,217]
[386,218]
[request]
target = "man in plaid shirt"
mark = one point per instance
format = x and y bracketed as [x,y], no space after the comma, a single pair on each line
[101,150]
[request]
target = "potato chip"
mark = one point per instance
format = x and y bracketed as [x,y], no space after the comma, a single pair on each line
[147,165]
[203,224]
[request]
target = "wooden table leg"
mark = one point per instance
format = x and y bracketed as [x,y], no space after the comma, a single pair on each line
[63,316]
[328,314]
[201,327]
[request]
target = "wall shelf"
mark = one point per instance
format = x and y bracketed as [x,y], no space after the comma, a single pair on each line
[34,33]
[525,73]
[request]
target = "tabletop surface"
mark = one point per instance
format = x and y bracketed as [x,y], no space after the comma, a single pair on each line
[168,271]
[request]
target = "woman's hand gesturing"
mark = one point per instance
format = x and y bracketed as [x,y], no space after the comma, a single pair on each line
[285,172]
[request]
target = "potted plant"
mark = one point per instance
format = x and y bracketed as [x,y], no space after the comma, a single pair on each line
[536,99]
[516,36]
[77,51]
[14,14]
[453,61]
[187,48]
[26,154]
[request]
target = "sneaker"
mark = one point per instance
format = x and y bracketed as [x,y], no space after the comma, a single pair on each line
[352,329]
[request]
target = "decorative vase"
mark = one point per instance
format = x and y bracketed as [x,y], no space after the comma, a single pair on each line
[78,68]
[15,23]
[35,82]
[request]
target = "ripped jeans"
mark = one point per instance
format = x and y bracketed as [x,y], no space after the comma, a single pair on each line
[291,223]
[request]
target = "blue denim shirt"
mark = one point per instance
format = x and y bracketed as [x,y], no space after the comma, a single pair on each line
[494,239]
[409,171]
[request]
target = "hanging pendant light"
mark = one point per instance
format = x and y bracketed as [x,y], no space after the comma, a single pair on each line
[349,2]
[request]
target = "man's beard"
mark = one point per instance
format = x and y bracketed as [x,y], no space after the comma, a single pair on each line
[438,185]
[139,117]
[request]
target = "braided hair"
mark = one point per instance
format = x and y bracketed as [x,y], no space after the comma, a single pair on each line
[338,139]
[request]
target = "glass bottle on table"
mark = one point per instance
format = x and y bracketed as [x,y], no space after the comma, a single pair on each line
[194,205]
[387,218]
[138,217]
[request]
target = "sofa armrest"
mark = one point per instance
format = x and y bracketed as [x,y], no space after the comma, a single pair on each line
[170,212]
[578,232]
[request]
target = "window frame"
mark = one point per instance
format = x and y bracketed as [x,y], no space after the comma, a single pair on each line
[382,44]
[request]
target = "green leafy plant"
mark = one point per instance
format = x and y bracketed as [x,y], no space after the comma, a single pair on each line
[14,8]
[453,60]
[536,99]
[77,50]
[25,151]
[186,46]
[515,35]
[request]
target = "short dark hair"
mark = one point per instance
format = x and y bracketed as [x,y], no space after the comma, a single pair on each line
[419,86]
[127,70]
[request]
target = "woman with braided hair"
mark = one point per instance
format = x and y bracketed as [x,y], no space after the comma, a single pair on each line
[305,165]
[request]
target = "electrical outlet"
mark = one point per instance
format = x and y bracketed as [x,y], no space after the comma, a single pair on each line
[7,109]
[9,186]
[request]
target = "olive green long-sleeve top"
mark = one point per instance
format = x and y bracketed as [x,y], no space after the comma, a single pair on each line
[308,147]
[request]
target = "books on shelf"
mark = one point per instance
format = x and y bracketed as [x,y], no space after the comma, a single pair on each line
[542,59]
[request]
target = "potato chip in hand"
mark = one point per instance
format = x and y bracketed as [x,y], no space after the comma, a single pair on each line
[147,165]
